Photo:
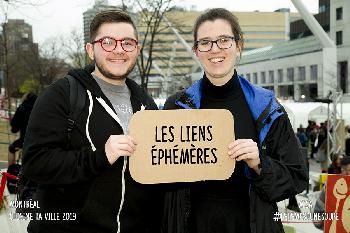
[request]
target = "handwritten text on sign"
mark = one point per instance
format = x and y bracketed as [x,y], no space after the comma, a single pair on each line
[181,145]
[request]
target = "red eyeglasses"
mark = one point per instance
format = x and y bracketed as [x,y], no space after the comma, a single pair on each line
[109,44]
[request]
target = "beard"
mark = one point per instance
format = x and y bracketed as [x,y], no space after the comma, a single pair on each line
[109,75]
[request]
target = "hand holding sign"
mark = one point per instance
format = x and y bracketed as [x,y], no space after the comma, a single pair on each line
[119,145]
[246,150]
[181,145]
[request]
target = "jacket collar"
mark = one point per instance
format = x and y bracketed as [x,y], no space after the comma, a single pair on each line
[85,78]
[261,102]
[257,98]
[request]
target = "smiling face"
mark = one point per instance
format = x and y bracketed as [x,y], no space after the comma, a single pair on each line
[113,67]
[340,189]
[218,63]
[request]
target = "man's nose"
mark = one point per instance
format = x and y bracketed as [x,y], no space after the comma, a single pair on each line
[118,48]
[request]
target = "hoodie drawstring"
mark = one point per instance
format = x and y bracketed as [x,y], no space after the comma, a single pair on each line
[116,118]
[91,104]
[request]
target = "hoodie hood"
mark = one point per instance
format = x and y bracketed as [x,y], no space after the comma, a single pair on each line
[85,78]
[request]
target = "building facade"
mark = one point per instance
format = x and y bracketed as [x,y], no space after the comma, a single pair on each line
[17,52]
[174,64]
[88,15]
[295,69]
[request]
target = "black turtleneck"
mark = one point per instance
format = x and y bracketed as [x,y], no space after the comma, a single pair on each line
[227,200]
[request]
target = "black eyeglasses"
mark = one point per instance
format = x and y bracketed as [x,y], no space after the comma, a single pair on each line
[224,42]
[109,44]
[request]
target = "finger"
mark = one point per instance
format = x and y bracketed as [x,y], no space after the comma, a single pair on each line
[131,144]
[124,153]
[132,139]
[126,140]
[242,150]
[236,154]
[125,148]
[241,142]
[121,139]
[247,156]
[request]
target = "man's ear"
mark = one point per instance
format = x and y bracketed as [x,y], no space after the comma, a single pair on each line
[90,50]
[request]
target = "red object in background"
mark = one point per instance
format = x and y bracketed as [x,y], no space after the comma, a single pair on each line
[5,175]
[338,201]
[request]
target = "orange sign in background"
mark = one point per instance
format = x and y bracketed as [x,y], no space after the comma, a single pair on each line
[338,201]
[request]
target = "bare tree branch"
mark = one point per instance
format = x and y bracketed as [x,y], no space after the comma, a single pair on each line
[73,48]
[150,14]
[12,68]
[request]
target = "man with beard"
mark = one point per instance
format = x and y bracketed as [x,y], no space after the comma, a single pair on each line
[84,184]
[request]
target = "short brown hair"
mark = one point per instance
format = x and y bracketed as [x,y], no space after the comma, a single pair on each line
[220,13]
[110,16]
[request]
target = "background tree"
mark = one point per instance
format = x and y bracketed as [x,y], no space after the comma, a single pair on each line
[149,17]
[48,66]
[73,48]
[9,63]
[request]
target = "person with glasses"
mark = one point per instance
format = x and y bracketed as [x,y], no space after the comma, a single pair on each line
[269,165]
[84,184]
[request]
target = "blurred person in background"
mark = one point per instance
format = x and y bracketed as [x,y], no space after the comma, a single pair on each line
[19,123]
[335,167]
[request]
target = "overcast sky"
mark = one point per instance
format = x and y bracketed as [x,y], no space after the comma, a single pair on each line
[56,17]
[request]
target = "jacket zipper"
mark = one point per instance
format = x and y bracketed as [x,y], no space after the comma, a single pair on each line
[125,161]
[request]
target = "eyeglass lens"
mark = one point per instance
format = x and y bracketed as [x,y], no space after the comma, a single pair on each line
[222,43]
[109,44]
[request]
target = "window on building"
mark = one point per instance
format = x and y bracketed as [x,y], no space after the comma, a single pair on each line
[283,92]
[322,8]
[280,75]
[290,74]
[339,13]
[343,76]
[339,37]
[313,72]
[313,90]
[25,47]
[301,73]
[248,77]
[271,76]
[255,78]
[25,35]
[263,77]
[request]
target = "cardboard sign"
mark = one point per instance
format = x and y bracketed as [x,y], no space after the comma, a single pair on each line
[181,145]
[338,201]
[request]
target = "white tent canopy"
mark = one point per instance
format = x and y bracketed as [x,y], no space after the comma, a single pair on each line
[300,113]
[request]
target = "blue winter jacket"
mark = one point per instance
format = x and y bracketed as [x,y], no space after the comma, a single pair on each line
[283,172]
[258,99]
